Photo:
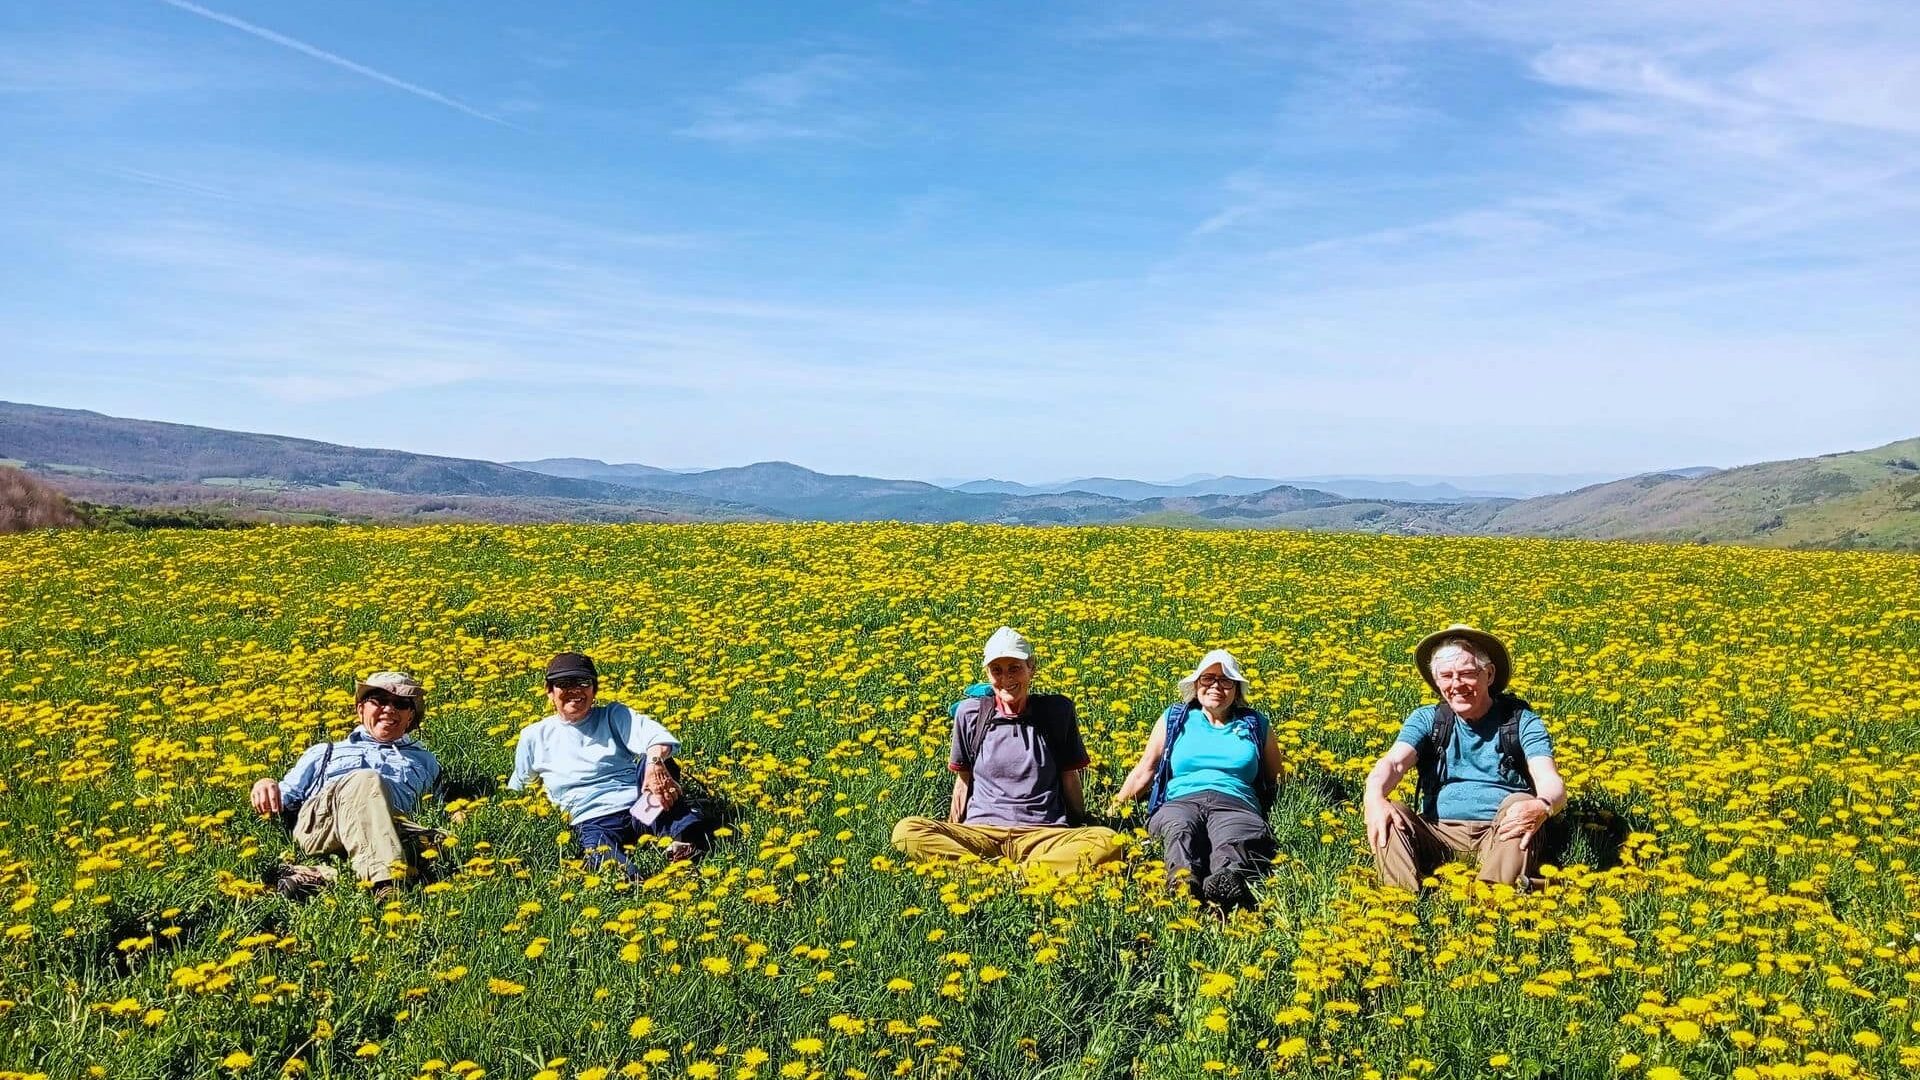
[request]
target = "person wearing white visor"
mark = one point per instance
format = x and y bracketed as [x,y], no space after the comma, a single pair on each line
[1016,761]
[1209,772]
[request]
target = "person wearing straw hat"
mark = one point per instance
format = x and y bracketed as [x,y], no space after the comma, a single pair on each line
[1208,772]
[1016,761]
[1487,779]
[351,796]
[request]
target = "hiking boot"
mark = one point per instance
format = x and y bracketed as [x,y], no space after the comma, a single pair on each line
[385,892]
[681,851]
[1224,887]
[297,882]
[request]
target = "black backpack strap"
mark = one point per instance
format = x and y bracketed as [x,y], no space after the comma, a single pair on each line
[1510,749]
[975,738]
[1432,762]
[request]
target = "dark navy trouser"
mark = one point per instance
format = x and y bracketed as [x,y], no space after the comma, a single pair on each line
[604,837]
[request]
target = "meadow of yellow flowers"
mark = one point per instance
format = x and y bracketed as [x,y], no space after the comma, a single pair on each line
[1738,890]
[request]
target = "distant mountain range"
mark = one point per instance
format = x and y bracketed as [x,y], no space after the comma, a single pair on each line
[1866,498]
[1394,488]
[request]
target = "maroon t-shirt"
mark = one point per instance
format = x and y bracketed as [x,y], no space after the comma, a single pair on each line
[1016,778]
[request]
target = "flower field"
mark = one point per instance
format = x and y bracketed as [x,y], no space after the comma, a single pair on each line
[1738,891]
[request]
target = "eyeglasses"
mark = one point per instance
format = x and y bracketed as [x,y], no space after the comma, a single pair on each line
[570,684]
[1214,682]
[381,697]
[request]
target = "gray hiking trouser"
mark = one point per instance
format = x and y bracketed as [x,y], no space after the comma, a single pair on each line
[1208,832]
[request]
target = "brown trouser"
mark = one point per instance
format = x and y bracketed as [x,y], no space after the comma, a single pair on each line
[1057,848]
[352,817]
[1413,851]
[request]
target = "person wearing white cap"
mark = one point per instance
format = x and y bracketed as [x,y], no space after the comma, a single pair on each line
[1016,761]
[350,797]
[1487,778]
[1209,770]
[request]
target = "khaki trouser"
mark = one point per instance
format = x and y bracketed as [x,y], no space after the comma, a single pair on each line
[352,817]
[1057,848]
[1412,852]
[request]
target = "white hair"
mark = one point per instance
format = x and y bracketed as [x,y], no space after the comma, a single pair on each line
[1460,645]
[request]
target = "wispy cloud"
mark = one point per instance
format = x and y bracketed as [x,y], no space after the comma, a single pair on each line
[805,101]
[336,60]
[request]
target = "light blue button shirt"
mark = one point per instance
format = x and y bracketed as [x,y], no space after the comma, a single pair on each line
[407,769]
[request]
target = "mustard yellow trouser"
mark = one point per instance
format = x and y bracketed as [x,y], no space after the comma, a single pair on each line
[1414,850]
[1057,848]
[352,817]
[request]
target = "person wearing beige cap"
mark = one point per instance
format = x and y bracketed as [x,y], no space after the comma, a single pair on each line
[350,796]
[1487,780]
[1016,761]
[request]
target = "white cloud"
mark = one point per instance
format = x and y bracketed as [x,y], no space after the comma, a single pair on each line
[805,101]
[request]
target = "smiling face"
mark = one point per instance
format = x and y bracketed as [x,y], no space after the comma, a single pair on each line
[1464,684]
[571,698]
[1214,689]
[386,717]
[1010,678]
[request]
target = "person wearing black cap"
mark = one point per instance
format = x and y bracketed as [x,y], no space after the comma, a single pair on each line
[587,757]
[1487,778]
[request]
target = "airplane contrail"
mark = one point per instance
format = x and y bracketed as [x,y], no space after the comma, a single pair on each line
[334,59]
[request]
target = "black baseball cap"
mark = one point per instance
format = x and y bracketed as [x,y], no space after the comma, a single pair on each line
[572,665]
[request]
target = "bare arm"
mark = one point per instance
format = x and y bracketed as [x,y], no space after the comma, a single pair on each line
[1388,771]
[1272,763]
[1074,794]
[1382,821]
[1141,777]
[1550,797]
[962,790]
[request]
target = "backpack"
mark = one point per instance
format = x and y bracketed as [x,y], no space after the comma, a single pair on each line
[1265,788]
[1432,763]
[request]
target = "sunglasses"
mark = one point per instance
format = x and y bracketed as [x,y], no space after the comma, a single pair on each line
[1211,682]
[570,684]
[381,697]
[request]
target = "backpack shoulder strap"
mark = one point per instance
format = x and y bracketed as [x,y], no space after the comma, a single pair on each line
[1509,739]
[1053,726]
[1174,718]
[975,736]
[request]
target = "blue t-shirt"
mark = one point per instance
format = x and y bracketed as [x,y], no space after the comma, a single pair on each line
[1206,758]
[1477,779]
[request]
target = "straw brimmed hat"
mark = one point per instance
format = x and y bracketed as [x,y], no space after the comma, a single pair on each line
[1495,649]
[398,683]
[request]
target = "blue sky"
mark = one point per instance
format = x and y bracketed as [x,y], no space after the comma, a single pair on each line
[973,239]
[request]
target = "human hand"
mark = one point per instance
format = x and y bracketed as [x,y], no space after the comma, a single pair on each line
[660,783]
[1523,822]
[1382,823]
[266,796]
[1118,806]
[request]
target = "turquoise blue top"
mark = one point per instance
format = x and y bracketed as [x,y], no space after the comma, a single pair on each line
[1477,780]
[1206,758]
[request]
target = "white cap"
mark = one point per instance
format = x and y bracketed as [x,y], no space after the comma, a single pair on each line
[1228,667]
[1007,642]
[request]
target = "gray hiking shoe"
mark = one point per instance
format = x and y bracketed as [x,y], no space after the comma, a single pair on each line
[297,882]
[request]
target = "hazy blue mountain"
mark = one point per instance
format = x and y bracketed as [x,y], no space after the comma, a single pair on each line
[591,469]
[74,443]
